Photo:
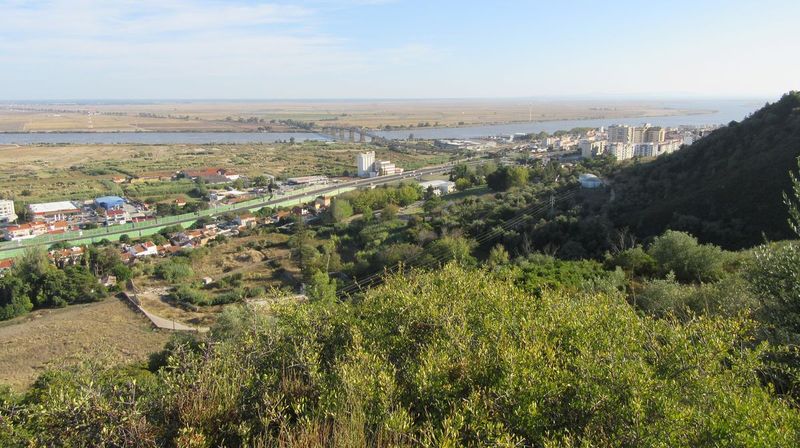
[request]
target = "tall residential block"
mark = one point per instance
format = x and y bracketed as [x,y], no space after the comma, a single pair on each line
[620,134]
[654,134]
[7,213]
[592,148]
[364,163]
[622,151]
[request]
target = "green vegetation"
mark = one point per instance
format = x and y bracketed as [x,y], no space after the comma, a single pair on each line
[725,188]
[520,317]
[35,283]
[452,358]
[174,270]
[378,198]
[507,177]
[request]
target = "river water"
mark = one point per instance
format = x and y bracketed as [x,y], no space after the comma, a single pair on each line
[724,112]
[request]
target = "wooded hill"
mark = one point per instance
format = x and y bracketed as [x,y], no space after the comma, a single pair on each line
[726,188]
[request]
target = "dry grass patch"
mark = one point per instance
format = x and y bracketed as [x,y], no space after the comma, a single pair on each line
[53,337]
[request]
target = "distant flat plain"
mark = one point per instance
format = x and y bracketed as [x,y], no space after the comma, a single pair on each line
[38,173]
[224,115]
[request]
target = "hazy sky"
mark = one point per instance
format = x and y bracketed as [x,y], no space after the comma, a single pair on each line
[66,49]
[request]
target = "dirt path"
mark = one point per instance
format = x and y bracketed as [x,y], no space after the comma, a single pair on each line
[29,344]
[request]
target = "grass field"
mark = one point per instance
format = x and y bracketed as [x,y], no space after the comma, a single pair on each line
[52,172]
[214,116]
[109,330]
[74,119]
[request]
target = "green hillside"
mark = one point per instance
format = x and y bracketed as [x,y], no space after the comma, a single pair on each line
[454,357]
[726,188]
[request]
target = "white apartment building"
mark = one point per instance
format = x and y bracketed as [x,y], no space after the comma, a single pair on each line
[668,147]
[654,134]
[563,143]
[386,168]
[364,162]
[592,148]
[7,213]
[648,149]
[636,134]
[618,133]
[622,151]
[654,149]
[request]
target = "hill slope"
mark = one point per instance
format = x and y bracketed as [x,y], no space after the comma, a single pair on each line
[726,188]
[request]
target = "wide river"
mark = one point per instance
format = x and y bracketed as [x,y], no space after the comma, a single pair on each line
[724,112]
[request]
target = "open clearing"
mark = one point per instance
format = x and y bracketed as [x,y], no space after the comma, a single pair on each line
[261,260]
[54,337]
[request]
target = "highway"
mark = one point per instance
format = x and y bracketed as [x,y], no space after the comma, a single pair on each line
[8,250]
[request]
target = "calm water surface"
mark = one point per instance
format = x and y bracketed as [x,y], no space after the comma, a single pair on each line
[724,112]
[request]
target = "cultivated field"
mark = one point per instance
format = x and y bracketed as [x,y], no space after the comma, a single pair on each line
[224,116]
[109,330]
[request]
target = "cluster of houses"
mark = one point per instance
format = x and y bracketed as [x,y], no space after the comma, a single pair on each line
[186,239]
[59,257]
[193,238]
[27,230]
[62,216]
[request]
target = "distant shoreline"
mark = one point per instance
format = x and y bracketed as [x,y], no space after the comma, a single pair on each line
[675,113]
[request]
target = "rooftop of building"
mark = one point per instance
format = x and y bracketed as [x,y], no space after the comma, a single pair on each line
[109,200]
[53,207]
[435,183]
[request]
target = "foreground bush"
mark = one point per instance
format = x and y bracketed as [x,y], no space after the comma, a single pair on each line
[451,358]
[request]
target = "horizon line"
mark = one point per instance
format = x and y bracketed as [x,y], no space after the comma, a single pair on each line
[598,97]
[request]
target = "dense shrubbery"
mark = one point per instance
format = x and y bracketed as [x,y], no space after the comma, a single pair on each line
[725,188]
[378,198]
[36,283]
[679,253]
[537,273]
[452,358]
[175,269]
[774,276]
